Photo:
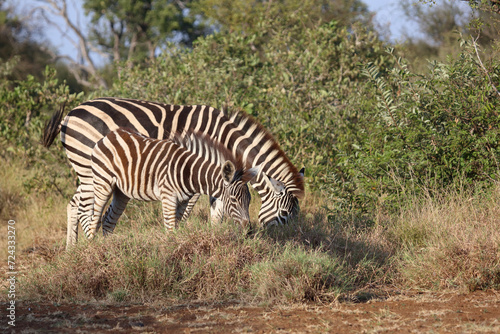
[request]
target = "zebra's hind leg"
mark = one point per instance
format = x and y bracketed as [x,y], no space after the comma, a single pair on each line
[114,212]
[86,206]
[189,207]
[72,227]
[180,210]
[101,195]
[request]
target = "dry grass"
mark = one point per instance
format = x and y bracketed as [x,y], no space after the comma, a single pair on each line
[308,260]
[195,262]
[40,218]
[450,241]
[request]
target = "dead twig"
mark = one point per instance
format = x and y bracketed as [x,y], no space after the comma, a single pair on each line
[474,44]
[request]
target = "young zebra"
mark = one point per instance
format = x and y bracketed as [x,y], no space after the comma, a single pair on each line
[132,166]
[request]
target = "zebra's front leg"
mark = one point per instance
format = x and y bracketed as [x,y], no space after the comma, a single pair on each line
[189,207]
[216,210]
[169,207]
[114,212]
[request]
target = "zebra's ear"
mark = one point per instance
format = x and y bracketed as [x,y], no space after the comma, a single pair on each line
[228,171]
[301,172]
[276,185]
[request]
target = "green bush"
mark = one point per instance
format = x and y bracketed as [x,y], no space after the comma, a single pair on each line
[304,84]
[337,100]
[25,106]
[431,131]
[342,104]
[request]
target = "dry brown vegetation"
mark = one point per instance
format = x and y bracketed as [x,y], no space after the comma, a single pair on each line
[436,242]
[450,240]
[440,241]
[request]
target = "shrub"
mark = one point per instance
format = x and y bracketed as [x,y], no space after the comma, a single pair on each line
[342,104]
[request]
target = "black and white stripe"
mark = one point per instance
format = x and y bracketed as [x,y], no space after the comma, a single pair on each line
[128,165]
[280,184]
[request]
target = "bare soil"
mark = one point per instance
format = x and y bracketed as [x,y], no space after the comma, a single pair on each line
[477,312]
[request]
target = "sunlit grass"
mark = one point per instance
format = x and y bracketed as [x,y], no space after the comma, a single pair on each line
[450,241]
[446,241]
[40,218]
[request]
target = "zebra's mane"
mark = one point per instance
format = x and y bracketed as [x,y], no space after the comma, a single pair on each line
[245,122]
[210,149]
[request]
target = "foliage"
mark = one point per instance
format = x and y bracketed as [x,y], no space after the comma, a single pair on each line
[441,26]
[242,16]
[297,82]
[134,30]
[430,130]
[486,5]
[338,101]
[17,40]
[25,104]
[343,105]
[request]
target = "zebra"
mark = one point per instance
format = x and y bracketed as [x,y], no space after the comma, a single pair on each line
[279,184]
[131,166]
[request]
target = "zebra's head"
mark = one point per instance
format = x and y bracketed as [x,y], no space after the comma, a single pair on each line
[279,203]
[235,197]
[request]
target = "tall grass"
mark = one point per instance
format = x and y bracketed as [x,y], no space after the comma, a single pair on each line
[194,262]
[304,261]
[450,240]
[40,217]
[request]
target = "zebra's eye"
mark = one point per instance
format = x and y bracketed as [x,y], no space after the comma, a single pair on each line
[283,213]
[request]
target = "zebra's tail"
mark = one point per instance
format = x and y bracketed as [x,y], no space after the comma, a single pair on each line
[53,127]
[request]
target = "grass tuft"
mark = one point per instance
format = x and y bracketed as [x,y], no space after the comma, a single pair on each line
[450,241]
[299,275]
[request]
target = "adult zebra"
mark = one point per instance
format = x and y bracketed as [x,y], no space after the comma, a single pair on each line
[128,165]
[279,184]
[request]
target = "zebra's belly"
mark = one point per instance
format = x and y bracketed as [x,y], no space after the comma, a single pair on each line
[137,192]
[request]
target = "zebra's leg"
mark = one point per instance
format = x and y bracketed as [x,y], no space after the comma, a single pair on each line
[189,207]
[86,206]
[180,211]
[216,210]
[101,195]
[169,208]
[72,227]
[114,212]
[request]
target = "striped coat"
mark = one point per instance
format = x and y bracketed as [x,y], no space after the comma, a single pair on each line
[132,166]
[280,184]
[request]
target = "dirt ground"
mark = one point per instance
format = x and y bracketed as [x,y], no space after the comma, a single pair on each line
[477,312]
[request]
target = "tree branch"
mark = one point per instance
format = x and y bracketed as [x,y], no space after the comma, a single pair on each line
[474,43]
[59,8]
